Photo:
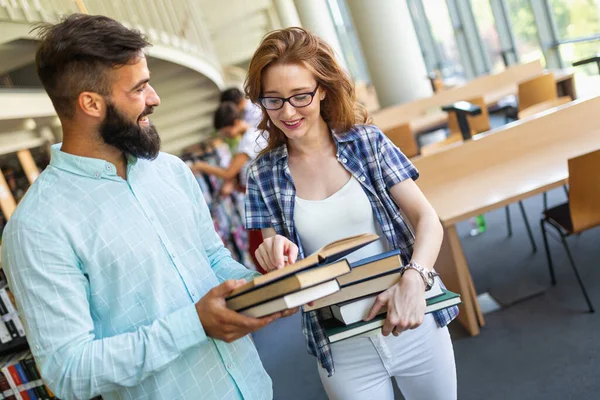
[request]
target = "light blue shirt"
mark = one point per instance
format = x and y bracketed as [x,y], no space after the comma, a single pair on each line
[106,273]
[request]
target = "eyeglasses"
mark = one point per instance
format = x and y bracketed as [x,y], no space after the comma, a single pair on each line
[298,100]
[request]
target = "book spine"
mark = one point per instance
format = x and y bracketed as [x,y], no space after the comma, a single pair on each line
[31,371]
[5,335]
[8,304]
[12,329]
[52,396]
[12,383]
[3,309]
[7,391]
[17,379]
[26,384]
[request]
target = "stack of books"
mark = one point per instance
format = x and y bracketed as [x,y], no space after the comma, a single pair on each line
[20,378]
[327,281]
[310,279]
[359,289]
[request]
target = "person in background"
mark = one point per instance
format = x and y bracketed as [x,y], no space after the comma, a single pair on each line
[229,122]
[327,174]
[251,113]
[112,256]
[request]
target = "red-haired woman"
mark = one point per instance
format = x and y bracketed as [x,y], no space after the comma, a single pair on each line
[325,175]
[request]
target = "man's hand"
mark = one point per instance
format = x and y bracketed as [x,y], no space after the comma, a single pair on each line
[221,323]
[276,252]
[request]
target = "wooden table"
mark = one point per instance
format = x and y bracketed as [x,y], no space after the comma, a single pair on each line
[425,115]
[494,169]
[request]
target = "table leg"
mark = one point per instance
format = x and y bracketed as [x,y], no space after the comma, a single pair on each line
[454,271]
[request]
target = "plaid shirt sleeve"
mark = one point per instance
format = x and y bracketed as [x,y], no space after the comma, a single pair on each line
[395,166]
[256,212]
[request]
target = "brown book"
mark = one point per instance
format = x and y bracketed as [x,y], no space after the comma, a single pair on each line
[289,285]
[357,290]
[372,267]
[327,254]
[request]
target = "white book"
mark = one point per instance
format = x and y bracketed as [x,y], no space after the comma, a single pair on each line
[352,311]
[292,300]
[5,336]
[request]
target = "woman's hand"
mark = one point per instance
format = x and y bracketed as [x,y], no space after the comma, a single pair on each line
[275,252]
[405,302]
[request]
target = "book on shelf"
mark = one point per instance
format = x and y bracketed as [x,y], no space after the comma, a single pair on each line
[20,378]
[355,310]
[332,252]
[337,330]
[291,284]
[292,300]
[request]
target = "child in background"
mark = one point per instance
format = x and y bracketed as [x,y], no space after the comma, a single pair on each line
[229,122]
[251,113]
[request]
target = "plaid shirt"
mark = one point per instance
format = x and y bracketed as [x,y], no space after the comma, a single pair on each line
[377,164]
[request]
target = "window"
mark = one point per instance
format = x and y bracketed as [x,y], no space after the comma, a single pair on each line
[348,40]
[443,33]
[489,34]
[579,19]
[526,31]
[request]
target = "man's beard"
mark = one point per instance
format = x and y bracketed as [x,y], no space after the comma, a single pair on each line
[132,139]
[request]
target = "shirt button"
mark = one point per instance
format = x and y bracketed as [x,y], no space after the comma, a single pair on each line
[194,294]
[229,366]
[362,179]
[108,167]
[344,160]
[97,174]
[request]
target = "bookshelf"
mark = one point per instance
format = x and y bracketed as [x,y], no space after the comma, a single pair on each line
[14,346]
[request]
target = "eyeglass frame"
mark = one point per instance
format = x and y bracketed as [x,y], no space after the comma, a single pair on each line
[287,99]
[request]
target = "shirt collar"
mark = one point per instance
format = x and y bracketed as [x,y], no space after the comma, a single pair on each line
[85,166]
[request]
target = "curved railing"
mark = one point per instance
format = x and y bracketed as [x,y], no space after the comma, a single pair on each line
[176,28]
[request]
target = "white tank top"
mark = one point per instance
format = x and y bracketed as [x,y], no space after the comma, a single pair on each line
[345,213]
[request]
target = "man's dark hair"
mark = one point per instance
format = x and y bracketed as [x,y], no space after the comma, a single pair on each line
[77,55]
[232,94]
[226,115]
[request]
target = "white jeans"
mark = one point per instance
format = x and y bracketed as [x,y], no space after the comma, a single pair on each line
[421,360]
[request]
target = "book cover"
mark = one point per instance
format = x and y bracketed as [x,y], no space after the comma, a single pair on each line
[355,310]
[372,267]
[5,387]
[292,300]
[327,254]
[299,281]
[337,330]
[376,285]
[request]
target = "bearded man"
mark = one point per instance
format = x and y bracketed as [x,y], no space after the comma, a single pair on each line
[112,256]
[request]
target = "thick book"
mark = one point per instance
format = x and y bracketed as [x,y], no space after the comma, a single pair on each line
[289,285]
[376,285]
[292,300]
[356,310]
[371,267]
[337,330]
[327,254]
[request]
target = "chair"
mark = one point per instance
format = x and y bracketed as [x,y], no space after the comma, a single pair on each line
[543,106]
[580,213]
[537,90]
[479,123]
[402,136]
